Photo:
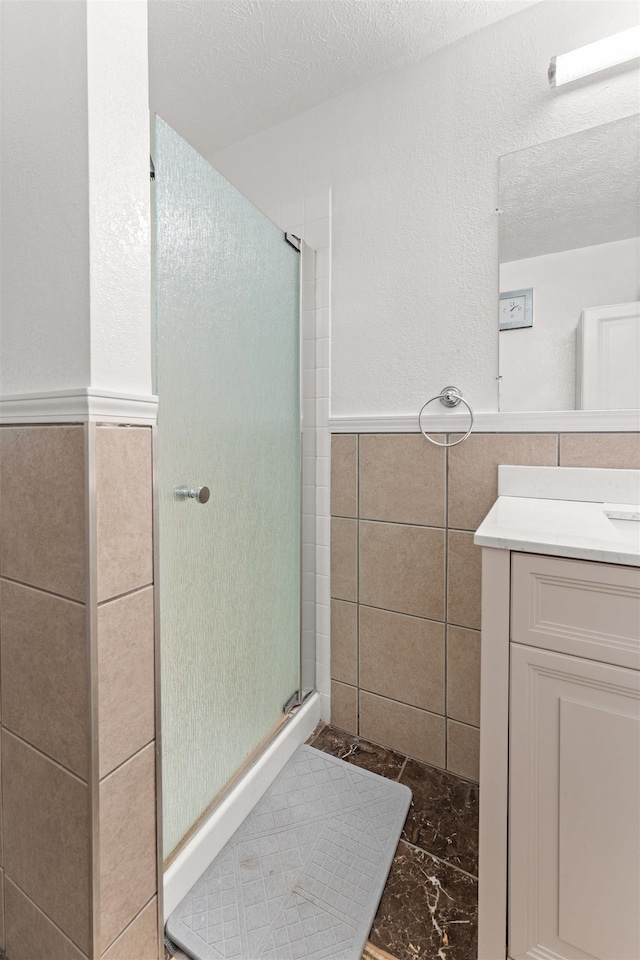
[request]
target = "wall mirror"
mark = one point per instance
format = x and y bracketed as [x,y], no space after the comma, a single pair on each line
[569,253]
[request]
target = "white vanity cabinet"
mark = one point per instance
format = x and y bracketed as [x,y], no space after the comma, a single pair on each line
[574,761]
[559,872]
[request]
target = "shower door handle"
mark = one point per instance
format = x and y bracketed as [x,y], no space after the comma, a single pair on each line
[201,494]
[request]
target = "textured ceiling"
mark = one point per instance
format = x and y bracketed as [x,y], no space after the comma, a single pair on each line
[573,192]
[222,70]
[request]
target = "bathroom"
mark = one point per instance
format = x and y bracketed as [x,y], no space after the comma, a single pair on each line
[379,134]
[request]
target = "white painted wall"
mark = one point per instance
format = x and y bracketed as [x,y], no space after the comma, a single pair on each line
[74,197]
[44,331]
[119,196]
[538,364]
[412,161]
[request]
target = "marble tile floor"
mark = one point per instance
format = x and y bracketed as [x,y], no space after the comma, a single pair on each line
[428,909]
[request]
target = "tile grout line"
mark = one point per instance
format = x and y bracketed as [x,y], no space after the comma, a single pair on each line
[414,616]
[44,914]
[127,593]
[445,863]
[426,763]
[133,919]
[400,613]
[127,760]
[48,593]
[406,760]
[401,523]
[42,753]
[412,706]
[374,693]
[79,603]
[372,743]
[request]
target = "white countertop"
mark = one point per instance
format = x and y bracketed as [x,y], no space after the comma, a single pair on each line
[566,512]
[561,528]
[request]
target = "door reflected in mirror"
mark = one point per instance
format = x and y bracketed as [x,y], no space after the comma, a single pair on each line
[570,241]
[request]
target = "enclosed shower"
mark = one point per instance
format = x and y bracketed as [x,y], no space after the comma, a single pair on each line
[229,480]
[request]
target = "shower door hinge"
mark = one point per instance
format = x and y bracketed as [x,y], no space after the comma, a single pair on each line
[292,702]
[152,169]
[293,241]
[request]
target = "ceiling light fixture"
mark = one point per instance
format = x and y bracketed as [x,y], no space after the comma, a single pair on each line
[609,52]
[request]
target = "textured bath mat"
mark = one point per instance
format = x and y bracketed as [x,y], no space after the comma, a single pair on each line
[303,875]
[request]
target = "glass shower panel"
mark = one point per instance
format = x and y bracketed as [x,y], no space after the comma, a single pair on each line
[229,418]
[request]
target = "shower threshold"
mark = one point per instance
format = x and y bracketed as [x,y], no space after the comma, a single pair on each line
[235,802]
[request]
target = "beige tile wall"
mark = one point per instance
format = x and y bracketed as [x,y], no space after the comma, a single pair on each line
[405,614]
[53,767]
[44,671]
[126,685]
[32,933]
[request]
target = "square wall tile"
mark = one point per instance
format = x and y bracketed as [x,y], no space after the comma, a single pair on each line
[323,675]
[402,568]
[308,294]
[323,262]
[47,836]
[1,829]
[30,933]
[463,674]
[344,707]
[402,479]
[618,450]
[473,470]
[344,475]
[344,559]
[44,673]
[414,732]
[464,580]
[124,509]
[344,641]
[42,508]
[126,672]
[140,940]
[463,750]
[402,658]
[127,843]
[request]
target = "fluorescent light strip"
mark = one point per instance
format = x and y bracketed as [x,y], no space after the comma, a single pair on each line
[597,56]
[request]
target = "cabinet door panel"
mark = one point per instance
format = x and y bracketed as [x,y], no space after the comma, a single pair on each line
[574,822]
[599,828]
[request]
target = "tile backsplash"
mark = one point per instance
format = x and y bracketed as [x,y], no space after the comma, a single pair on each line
[406,579]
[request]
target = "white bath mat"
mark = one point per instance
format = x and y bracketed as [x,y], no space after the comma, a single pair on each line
[303,876]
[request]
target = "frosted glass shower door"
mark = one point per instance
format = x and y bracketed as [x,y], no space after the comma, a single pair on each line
[229,419]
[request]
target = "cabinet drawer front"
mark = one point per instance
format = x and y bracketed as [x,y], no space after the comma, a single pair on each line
[584,609]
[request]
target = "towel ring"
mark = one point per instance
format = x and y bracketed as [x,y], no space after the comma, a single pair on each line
[450,397]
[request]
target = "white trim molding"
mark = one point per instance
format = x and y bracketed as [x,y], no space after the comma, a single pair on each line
[534,421]
[78,406]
